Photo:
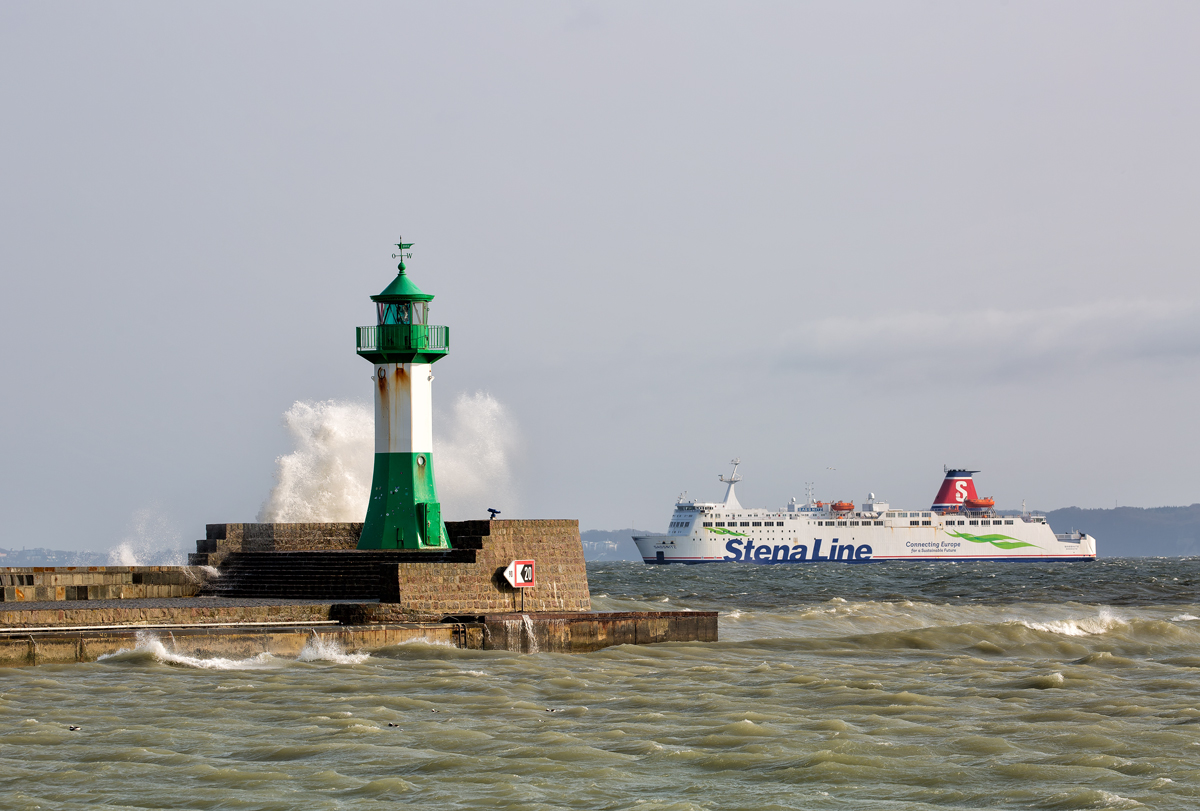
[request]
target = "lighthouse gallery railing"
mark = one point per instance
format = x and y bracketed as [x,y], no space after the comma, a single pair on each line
[383,337]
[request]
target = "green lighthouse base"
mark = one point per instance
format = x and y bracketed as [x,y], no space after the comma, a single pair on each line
[404,512]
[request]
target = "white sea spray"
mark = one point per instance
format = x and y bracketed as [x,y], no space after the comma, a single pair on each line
[327,475]
[152,539]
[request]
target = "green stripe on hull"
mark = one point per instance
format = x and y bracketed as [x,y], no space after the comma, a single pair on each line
[404,512]
[1002,541]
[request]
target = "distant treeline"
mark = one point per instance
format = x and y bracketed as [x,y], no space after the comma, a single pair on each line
[1135,532]
[50,557]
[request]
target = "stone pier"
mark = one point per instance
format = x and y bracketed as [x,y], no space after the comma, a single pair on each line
[252,588]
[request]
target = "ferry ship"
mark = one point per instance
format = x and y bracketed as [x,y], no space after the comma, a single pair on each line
[959,526]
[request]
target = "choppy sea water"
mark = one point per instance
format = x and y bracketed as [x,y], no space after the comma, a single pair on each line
[884,686]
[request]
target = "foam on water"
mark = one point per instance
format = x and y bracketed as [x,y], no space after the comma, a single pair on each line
[1102,623]
[319,649]
[150,647]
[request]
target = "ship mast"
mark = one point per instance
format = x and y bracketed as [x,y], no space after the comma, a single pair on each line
[731,501]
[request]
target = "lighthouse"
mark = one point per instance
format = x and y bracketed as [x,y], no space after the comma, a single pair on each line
[402,346]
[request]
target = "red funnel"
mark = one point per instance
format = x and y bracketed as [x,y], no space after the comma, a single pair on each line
[957,487]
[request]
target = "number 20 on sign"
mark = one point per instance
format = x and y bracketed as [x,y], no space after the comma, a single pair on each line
[520,574]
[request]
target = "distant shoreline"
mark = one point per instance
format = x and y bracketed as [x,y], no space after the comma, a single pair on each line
[1121,532]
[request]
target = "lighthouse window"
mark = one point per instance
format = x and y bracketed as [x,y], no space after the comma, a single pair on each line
[394,312]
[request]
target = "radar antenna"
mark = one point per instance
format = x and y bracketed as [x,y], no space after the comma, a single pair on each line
[734,478]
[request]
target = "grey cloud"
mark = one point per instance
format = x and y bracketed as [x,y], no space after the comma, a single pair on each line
[987,342]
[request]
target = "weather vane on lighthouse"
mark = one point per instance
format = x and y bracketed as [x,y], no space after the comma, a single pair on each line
[404,512]
[404,252]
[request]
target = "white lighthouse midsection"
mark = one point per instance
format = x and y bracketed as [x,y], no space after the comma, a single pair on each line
[403,408]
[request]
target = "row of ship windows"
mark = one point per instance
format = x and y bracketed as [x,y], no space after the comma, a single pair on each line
[677,524]
[974,523]
[756,523]
[917,523]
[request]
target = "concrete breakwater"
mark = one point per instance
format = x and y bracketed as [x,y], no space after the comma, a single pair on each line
[226,637]
[273,588]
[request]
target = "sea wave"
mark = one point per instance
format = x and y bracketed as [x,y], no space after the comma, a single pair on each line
[319,649]
[1101,623]
[149,648]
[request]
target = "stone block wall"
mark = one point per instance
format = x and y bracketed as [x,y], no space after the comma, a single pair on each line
[438,589]
[433,589]
[221,539]
[38,583]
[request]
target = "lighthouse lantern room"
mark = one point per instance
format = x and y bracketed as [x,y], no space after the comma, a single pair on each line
[404,512]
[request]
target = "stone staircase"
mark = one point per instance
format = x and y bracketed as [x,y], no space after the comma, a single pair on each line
[315,574]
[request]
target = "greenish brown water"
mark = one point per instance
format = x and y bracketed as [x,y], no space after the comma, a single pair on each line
[834,687]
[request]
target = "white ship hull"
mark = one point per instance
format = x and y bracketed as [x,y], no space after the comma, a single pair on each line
[816,533]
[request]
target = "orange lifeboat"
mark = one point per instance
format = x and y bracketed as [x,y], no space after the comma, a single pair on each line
[979,503]
[842,506]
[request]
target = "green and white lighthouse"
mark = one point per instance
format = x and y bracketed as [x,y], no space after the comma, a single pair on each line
[404,512]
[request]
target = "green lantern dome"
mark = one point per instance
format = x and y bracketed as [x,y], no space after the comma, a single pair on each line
[402,332]
[402,289]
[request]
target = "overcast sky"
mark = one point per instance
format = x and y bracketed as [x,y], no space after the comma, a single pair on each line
[876,237]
